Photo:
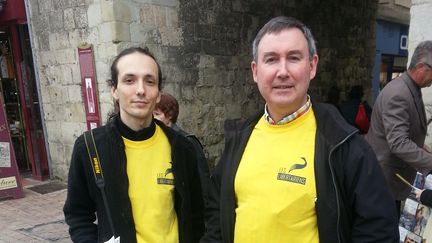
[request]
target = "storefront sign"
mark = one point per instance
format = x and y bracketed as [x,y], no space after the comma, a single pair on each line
[403,42]
[10,181]
[89,88]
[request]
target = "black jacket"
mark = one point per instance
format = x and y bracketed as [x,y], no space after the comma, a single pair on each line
[353,204]
[84,200]
[203,167]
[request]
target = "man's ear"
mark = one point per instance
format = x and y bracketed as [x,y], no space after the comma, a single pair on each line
[254,71]
[313,67]
[114,93]
[158,98]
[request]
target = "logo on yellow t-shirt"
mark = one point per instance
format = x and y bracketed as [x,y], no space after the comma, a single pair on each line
[165,178]
[283,176]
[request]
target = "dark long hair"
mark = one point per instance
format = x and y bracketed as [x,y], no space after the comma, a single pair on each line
[143,50]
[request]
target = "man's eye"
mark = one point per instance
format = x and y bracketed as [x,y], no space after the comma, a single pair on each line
[270,60]
[294,58]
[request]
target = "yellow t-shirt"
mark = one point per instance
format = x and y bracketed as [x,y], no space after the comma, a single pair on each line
[151,189]
[275,184]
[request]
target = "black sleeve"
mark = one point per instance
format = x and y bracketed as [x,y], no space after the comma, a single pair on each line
[203,168]
[204,172]
[194,215]
[79,208]
[426,198]
[372,206]
[213,228]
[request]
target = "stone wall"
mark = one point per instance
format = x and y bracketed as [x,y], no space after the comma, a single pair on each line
[217,41]
[420,30]
[204,48]
[58,27]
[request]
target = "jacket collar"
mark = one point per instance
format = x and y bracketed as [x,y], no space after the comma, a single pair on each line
[170,133]
[327,116]
[416,94]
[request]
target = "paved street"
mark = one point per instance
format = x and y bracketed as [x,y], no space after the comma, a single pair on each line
[34,218]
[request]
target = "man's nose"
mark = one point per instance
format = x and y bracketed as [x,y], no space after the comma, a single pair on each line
[282,69]
[140,88]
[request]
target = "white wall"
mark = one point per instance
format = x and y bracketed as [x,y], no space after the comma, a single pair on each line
[420,30]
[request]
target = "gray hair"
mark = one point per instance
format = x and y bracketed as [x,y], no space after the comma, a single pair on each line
[422,53]
[278,24]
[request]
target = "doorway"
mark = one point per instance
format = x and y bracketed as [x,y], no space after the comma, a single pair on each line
[391,68]
[21,101]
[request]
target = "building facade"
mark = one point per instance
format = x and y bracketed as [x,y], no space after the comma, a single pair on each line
[391,55]
[20,100]
[203,46]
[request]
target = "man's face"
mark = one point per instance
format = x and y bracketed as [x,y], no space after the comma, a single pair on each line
[137,90]
[427,75]
[283,71]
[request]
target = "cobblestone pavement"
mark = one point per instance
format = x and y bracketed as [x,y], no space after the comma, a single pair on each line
[33,219]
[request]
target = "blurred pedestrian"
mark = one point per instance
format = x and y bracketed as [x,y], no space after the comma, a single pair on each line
[355,110]
[398,126]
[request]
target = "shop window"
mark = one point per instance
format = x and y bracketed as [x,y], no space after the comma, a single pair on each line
[10,91]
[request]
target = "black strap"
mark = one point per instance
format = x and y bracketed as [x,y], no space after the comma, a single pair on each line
[97,171]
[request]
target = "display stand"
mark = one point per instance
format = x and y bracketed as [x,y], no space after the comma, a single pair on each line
[10,180]
[89,88]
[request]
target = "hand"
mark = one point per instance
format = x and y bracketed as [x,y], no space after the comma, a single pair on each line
[408,240]
[427,148]
[418,193]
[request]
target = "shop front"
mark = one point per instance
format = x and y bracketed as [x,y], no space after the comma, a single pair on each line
[391,53]
[19,92]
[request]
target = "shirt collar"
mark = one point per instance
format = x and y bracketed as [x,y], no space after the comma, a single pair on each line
[290,117]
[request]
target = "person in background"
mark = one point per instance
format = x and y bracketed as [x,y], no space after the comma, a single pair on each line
[296,171]
[151,179]
[333,96]
[167,111]
[350,108]
[398,125]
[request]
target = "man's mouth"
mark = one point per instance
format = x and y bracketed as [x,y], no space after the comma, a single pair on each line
[283,86]
[140,102]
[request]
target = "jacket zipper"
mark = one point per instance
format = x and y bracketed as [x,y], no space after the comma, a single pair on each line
[334,181]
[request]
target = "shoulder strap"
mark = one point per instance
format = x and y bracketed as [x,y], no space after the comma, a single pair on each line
[94,159]
[97,171]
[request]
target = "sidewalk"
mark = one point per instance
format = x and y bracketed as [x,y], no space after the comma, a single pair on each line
[33,219]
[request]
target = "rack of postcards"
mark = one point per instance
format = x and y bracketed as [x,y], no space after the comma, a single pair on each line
[415,223]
